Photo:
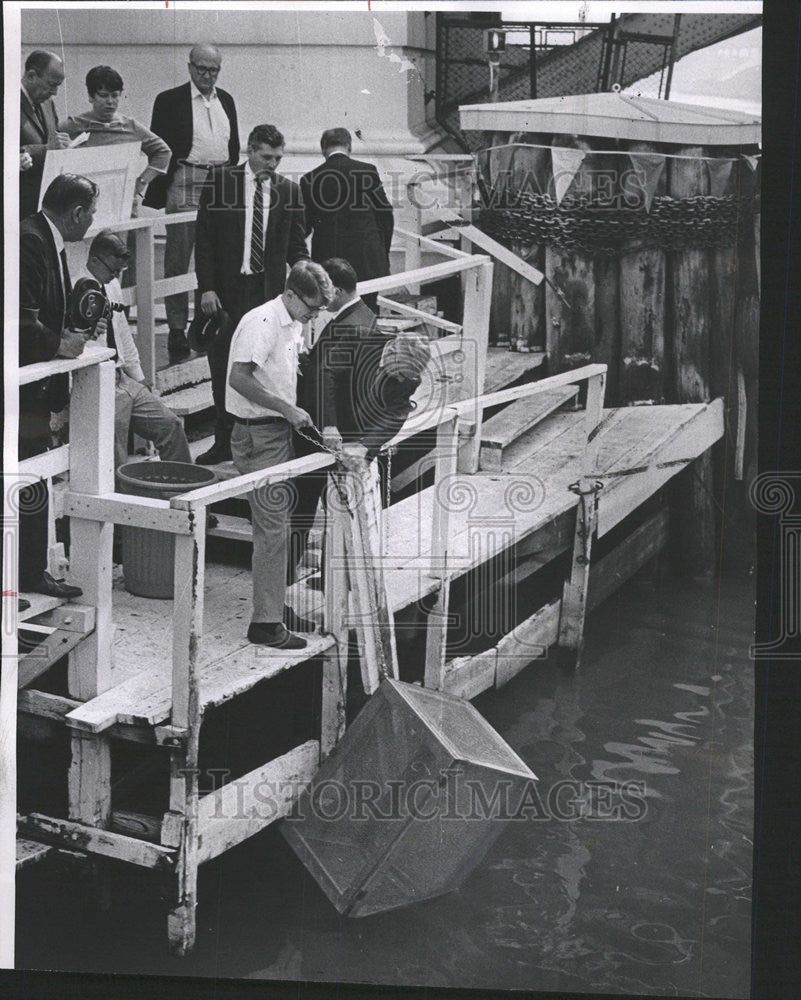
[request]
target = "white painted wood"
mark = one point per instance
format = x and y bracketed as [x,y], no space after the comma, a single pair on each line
[113,168]
[145,311]
[52,647]
[422,275]
[404,310]
[245,806]
[477,301]
[45,705]
[89,780]
[508,425]
[48,464]
[190,552]
[496,250]
[171,286]
[123,508]
[193,399]
[68,617]
[92,472]
[335,614]
[181,375]
[431,243]
[29,852]
[92,355]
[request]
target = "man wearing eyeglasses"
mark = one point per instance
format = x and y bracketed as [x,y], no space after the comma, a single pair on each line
[135,406]
[198,122]
[250,225]
[261,397]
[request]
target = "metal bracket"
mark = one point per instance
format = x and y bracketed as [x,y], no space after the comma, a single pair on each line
[171,737]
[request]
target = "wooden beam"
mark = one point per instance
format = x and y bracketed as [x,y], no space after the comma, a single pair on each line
[447,455]
[194,500]
[465,406]
[422,275]
[188,624]
[48,464]
[92,355]
[145,312]
[45,705]
[89,781]
[68,617]
[335,613]
[508,425]
[477,301]
[245,806]
[92,472]
[404,310]
[78,837]
[171,286]
[42,657]
[430,243]
[123,508]
[495,249]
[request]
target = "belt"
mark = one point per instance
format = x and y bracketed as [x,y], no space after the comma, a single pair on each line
[254,421]
[203,166]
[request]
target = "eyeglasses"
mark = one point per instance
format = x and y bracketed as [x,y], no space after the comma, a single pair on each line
[116,269]
[205,70]
[312,310]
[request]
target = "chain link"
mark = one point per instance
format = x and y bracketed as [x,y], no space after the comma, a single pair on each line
[581,224]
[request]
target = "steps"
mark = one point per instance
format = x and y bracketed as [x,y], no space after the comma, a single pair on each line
[500,431]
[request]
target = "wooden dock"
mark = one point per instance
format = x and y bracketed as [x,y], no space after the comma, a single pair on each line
[150,671]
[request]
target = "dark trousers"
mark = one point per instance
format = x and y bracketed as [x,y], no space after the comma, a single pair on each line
[251,294]
[33,500]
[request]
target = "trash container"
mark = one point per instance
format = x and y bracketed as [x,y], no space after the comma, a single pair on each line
[147,555]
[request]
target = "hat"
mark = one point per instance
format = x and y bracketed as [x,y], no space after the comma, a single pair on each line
[406,356]
[204,329]
[87,304]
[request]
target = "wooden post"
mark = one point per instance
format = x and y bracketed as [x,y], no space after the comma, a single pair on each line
[689,311]
[145,305]
[574,595]
[475,327]
[92,471]
[447,451]
[90,663]
[335,588]
[181,822]
[642,306]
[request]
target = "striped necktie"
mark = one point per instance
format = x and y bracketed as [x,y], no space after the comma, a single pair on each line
[257,232]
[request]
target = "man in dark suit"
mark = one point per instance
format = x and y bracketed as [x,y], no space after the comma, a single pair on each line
[44,74]
[250,226]
[68,208]
[356,383]
[347,210]
[198,122]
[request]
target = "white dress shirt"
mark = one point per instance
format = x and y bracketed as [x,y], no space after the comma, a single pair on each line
[211,129]
[268,337]
[250,191]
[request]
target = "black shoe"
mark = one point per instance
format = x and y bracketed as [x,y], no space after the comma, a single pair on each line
[214,456]
[295,623]
[177,345]
[274,634]
[56,588]
[22,604]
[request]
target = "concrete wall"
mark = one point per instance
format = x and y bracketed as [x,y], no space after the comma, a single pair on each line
[302,70]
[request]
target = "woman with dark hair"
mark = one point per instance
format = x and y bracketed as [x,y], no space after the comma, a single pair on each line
[106,126]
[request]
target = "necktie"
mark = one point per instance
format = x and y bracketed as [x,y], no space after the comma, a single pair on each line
[65,274]
[257,232]
[40,115]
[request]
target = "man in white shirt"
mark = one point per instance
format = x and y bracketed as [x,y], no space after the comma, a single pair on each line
[198,122]
[261,398]
[135,406]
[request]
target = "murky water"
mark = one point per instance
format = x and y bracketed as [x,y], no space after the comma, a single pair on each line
[635,877]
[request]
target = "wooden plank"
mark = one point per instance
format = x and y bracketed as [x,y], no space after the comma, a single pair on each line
[430,243]
[477,301]
[447,454]
[79,837]
[196,499]
[171,286]
[491,246]
[145,312]
[335,614]
[468,676]
[181,375]
[184,402]
[123,508]
[528,641]
[45,705]
[529,389]
[505,367]
[92,472]
[67,617]
[134,824]
[248,804]
[48,464]
[428,318]
[89,780]
[237,529]
[190,553]
[92,355]
[502,429]
[611,572]
[642,292]
[742,419]
[42,657]
[422,275]
[29,852]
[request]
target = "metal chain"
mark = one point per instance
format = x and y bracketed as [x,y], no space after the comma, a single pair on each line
[583,225]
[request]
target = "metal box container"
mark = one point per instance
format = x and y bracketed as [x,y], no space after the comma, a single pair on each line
[408,803]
